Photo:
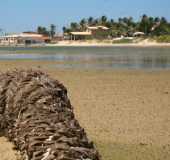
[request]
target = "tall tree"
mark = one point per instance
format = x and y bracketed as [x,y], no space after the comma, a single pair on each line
[156,19]
[146,24]
[163,20]
[1,31]
[43,31]
[161,28]
[64,29]
[74,26]
[96,21]
[125,25]
[52,30]
[112,21]
[83,24]
[90,21]
[103,20]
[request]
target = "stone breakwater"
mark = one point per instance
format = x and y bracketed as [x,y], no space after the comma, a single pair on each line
[37,116]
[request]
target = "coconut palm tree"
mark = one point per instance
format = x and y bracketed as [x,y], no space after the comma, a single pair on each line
[96,21]
[43,30]
[83,24]
[74,26]
[52,30]
[144,24]
[1,31]
[90,21]
[103,20]
[163,20]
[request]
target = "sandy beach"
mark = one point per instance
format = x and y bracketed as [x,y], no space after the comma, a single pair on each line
[94,43]
[126,113]
[144,43]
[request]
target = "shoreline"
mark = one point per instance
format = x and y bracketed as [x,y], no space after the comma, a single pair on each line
[86,44]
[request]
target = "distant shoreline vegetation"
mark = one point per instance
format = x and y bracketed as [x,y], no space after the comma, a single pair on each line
[151,26]
[157,28]
[123,30]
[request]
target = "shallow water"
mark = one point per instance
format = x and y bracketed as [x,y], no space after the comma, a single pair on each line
[150,58]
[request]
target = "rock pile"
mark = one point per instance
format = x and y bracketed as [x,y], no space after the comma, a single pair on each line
[36,115]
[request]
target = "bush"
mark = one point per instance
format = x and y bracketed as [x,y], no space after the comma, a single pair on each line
[123,41]
[163,39]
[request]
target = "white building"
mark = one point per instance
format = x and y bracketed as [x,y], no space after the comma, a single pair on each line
[22,38]
[91,31]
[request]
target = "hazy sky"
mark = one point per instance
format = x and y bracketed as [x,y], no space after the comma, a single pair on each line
[22,15]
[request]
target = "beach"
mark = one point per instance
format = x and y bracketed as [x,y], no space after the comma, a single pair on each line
[143,43]
[95,43]
[125,112]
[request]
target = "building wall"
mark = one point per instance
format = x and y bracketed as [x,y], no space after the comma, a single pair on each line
[19,40]
[8,41]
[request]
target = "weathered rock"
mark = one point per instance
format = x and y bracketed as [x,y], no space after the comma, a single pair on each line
[36,115]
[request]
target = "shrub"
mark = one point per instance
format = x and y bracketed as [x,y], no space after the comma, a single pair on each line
[123,41]
[163,39]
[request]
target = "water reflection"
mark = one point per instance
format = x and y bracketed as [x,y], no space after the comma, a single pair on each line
[94,57]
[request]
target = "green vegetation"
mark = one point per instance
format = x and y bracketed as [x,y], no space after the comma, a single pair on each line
[47,32]
[153,28]
[162,39]
[126,26]
[123,41]
[52,30]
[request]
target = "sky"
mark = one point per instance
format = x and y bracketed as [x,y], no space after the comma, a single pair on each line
[26,15]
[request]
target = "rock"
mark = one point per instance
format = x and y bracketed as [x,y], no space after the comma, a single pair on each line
[37,116]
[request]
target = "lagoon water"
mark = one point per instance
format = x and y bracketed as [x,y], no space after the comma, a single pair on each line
[147,58]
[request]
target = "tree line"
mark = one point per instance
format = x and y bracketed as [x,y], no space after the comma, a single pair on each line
[47,32]
[151,26]
[50,32]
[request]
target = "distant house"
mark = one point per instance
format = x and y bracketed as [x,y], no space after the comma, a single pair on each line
[9,39]
[25,38]
[80,35]
[96,32]
[94,28]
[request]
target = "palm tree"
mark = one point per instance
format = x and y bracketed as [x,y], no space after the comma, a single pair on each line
[120,20]
[163,20]
[103,20]
[144,24]
[83,24]
[64,29]
[156,19]
[125,20]
[130,21]
[126,25]
[112,21]
[1,31]
[52,30]
[90,21]
[74,26]
[42,30]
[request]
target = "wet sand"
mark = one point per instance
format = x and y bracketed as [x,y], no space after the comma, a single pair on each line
[126,113]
